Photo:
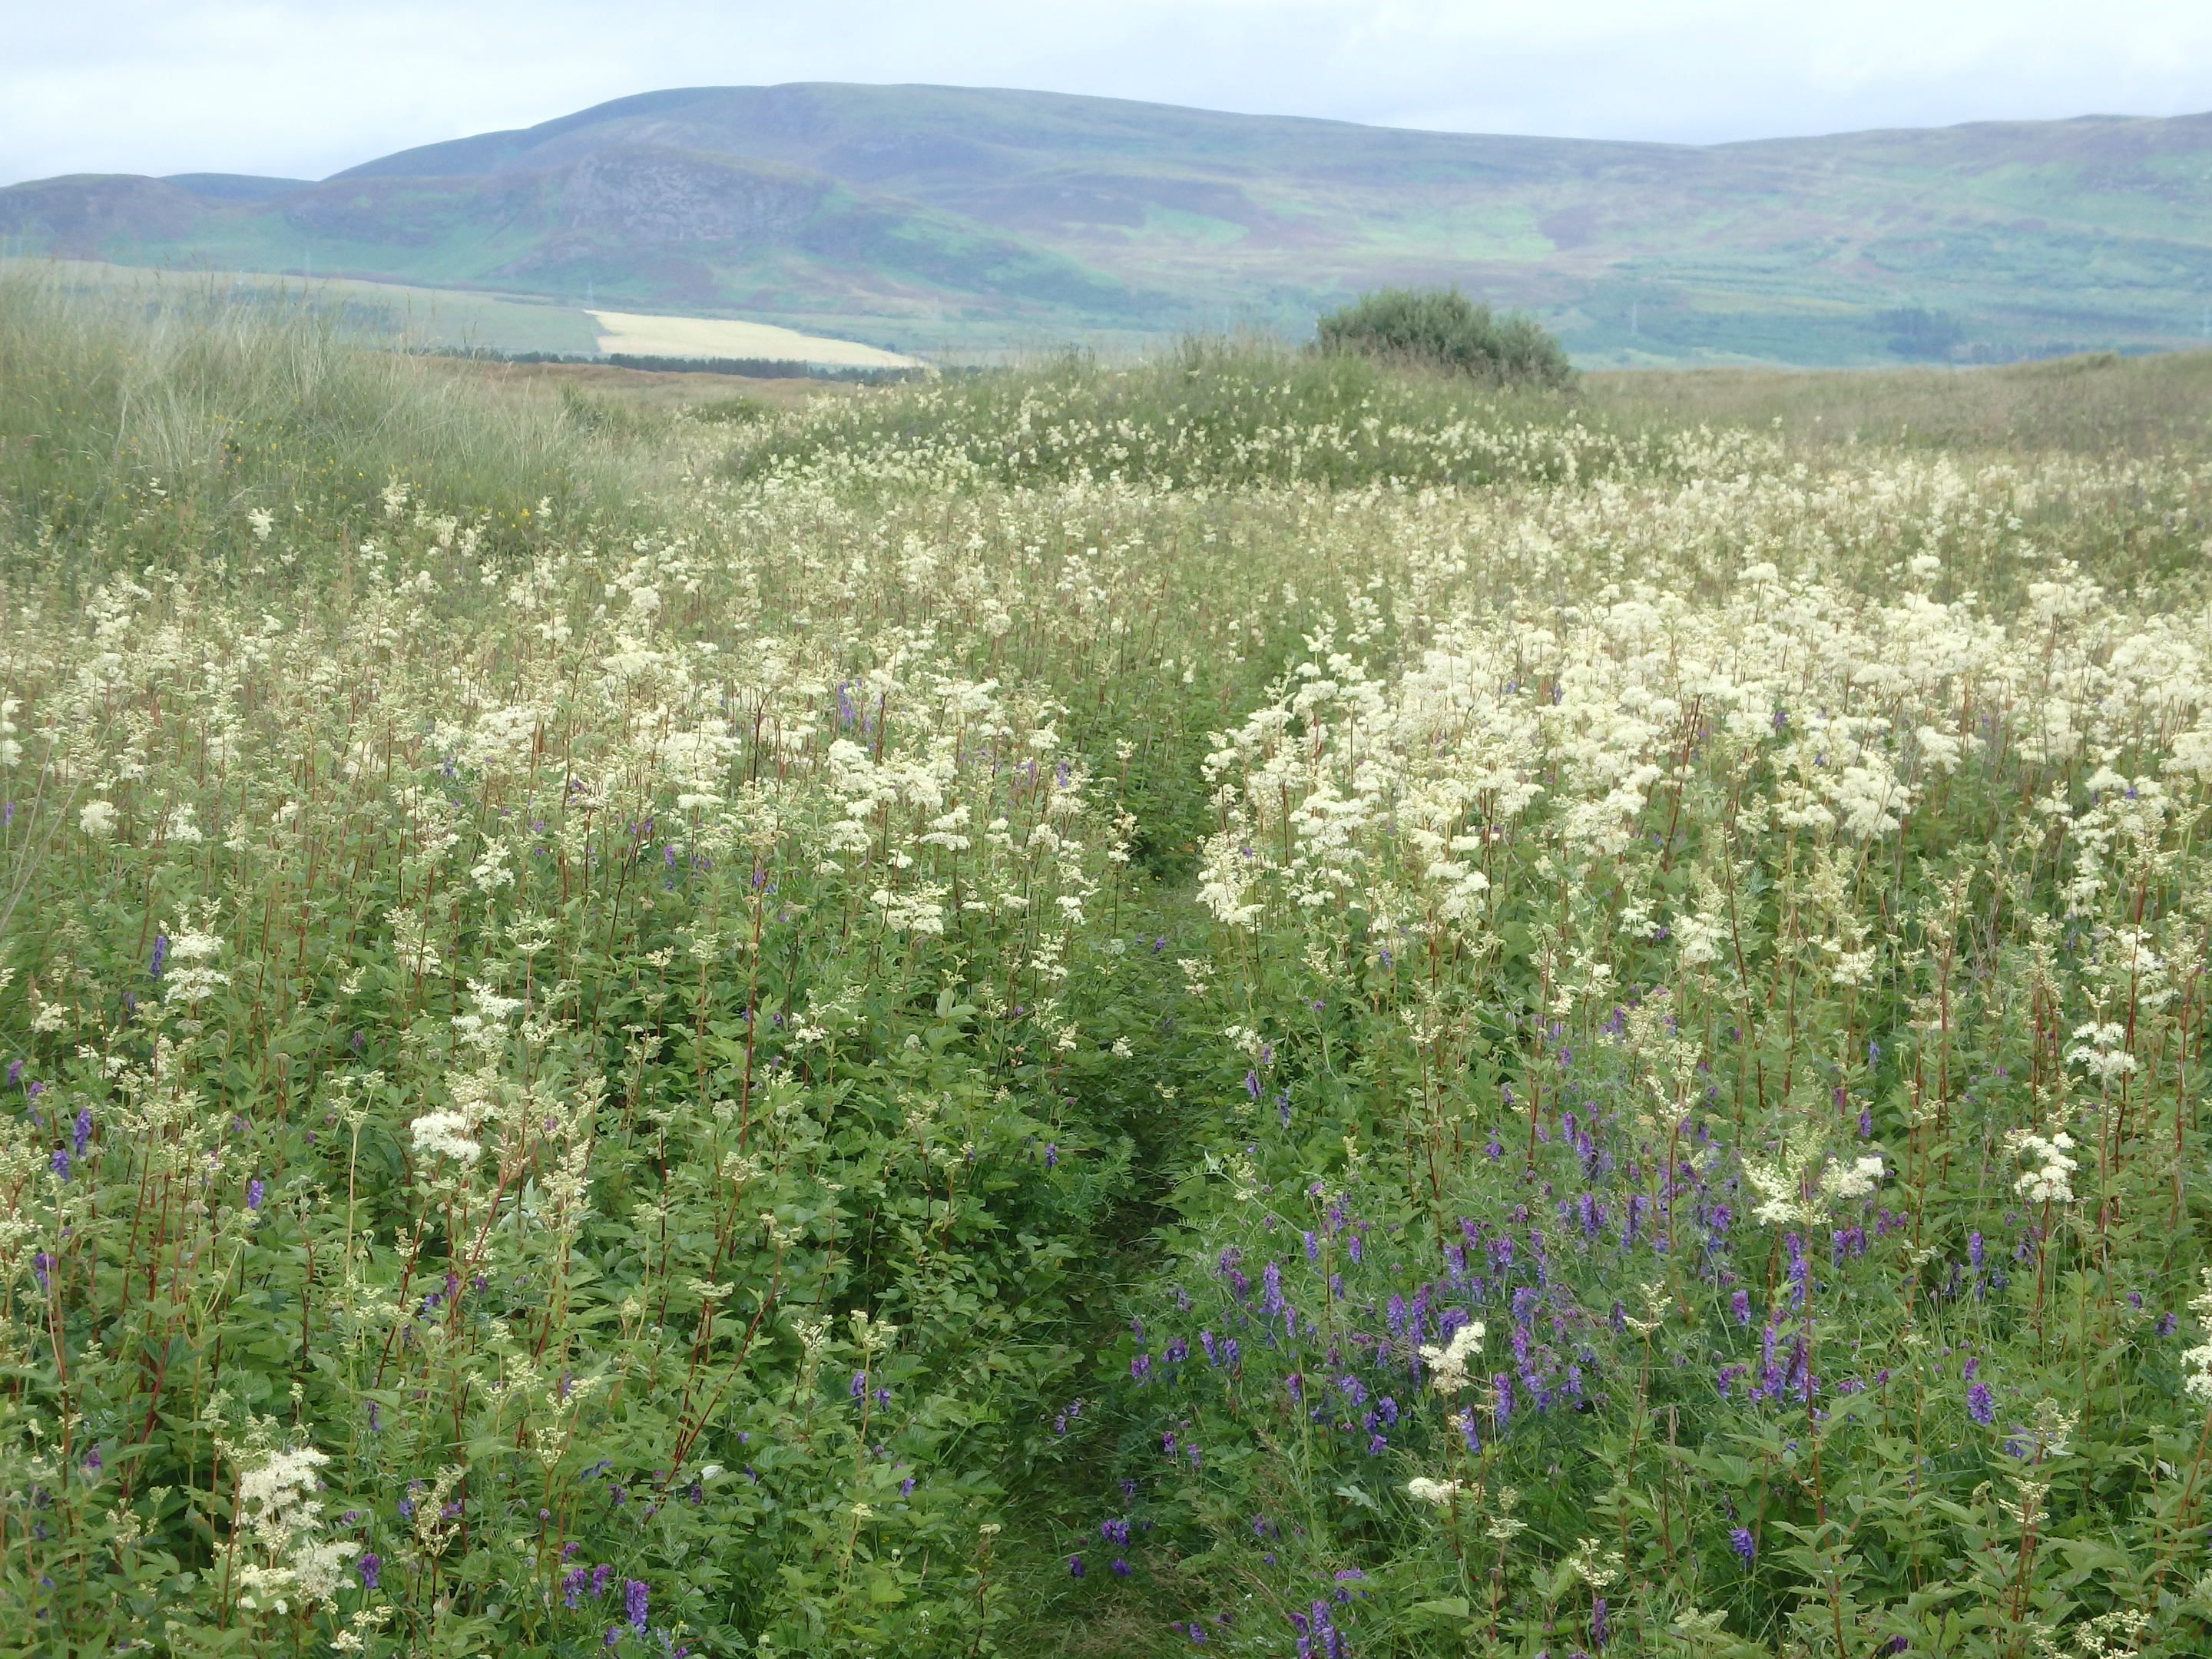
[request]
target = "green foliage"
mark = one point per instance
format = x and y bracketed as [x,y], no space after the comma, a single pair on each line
[930,1042]
[158,426]
[1214,412]
[731,411]
[1442,328]
[2097,404]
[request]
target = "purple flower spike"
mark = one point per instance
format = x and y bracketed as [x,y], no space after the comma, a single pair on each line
[634,1598]
[372,1564]
[1979,1406]
[1075,1566]
[1740,1540]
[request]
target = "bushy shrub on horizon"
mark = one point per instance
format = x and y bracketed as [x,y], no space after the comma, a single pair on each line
[1442,328]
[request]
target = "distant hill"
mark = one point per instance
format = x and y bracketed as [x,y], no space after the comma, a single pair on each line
[235,186]
[922,215]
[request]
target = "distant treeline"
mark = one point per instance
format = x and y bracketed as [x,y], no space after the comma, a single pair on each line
[757,369]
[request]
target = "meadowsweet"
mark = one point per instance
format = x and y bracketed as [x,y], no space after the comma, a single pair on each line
[2097,1048]
[1426,1491]
[276,1509]
[1448,1372]
[195,948]
[2197,1362]
[1804,1184]
[2046,1180]
[445,1134]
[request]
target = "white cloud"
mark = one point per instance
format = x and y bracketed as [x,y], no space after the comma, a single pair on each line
[290,87]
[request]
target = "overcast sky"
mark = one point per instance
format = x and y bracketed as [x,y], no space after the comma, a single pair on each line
[300,89]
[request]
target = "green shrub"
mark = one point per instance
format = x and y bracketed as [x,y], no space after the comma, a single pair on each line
[1442,328]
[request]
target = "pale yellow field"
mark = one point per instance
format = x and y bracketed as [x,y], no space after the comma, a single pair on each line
[709,337]
[501,322]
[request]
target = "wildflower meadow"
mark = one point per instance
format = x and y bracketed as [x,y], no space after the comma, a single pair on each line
[1253,1003]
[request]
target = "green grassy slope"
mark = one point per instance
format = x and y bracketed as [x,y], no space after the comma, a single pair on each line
[380,311]
[971,216]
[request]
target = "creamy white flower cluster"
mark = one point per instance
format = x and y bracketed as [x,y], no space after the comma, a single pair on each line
[1446,1365]
[278,1509]
[1803,1187]
[2050,1164]
[2197,1363]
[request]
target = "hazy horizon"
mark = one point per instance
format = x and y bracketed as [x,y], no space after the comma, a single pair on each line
[287,90]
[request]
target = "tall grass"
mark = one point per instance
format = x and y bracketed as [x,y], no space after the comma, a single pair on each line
[2095,403]
[161,417]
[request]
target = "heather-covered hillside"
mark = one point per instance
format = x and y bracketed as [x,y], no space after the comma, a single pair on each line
[979,217]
